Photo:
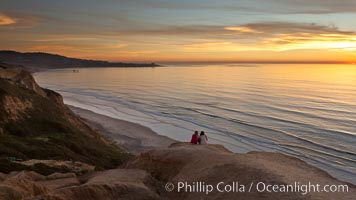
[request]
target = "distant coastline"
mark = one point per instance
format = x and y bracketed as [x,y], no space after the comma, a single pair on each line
[39,61]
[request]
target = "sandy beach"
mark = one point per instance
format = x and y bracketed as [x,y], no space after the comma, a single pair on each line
[132,137]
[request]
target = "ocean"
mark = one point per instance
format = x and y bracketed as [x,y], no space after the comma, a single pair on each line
[306,111]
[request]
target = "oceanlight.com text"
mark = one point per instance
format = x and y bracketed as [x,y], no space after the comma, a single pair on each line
[223,187]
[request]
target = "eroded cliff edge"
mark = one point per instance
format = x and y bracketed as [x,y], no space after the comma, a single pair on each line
[35,124]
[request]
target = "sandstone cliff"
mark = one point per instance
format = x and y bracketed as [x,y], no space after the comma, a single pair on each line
[35,124]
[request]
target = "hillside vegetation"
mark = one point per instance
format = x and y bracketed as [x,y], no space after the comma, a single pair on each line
[35,124]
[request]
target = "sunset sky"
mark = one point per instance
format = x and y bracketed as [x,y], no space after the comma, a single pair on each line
[184,30]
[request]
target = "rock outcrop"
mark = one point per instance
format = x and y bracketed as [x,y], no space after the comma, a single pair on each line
[146,176]
[111,184]
[212,164]
[21,77]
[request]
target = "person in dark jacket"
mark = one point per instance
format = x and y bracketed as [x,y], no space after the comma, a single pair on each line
[195,138]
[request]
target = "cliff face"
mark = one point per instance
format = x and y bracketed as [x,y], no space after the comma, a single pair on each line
[20,77]
[35,124]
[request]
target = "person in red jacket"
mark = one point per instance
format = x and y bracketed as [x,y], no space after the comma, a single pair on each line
[195,138]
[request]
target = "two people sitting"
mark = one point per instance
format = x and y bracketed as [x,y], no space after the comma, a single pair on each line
[202,139]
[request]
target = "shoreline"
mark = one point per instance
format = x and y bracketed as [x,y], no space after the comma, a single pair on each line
[132,137]
[136,138]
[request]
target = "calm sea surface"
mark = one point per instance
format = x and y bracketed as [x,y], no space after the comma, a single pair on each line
[307,111]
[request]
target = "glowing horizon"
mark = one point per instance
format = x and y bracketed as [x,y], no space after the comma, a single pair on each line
[184,31]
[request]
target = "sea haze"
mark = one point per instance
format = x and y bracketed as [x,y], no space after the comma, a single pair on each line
[307,111]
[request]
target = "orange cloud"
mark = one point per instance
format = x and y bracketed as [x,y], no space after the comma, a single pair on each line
[6,20]
[242,29]
[18,21]
[64,38]
[279,37]
[51,47]
[282,42]
[209,46]
[79,47]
